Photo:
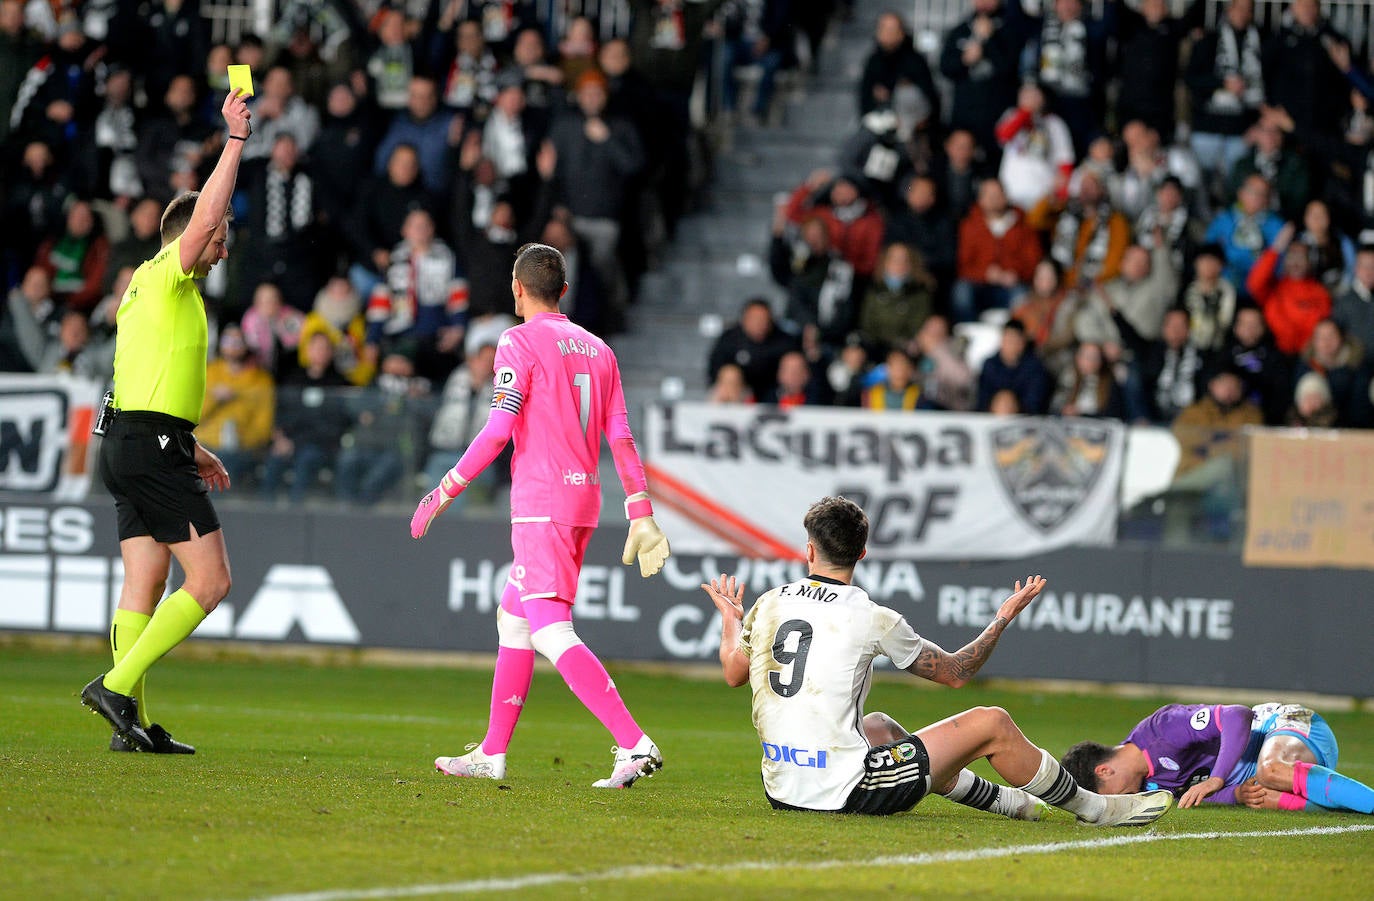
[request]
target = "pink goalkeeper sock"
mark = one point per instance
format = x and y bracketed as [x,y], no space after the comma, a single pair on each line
[510,685]
[593,686]
[1289,801]
[1300,771]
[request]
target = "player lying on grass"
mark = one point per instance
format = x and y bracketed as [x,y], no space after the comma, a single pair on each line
[807,650]
[1275,756]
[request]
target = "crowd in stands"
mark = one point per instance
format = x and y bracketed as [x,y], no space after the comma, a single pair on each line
[1198,265]
[1143,203]
[401,151]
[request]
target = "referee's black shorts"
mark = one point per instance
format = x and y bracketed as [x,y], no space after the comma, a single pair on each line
[148,464]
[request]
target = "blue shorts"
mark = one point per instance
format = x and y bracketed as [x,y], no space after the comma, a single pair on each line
[1316,736]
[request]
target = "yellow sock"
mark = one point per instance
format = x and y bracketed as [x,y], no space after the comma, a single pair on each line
[172,622]
[125,628]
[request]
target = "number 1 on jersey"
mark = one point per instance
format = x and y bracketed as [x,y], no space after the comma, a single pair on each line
[583,382]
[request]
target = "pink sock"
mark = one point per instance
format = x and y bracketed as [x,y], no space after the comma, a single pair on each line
[510,685]
[1288,801]
[1300,771]
[591,683]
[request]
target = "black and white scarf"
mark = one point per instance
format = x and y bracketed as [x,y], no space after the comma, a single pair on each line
[289,204]
[1064,57]
[1177,384]
[1238,58]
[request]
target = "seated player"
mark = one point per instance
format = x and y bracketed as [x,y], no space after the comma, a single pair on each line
[807,650]
[1275,756]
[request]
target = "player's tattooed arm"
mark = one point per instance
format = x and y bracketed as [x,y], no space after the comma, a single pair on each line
[938,665]
[956,669]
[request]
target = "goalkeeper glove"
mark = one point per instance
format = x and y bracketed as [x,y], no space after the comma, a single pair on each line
[436,502]
[647,542]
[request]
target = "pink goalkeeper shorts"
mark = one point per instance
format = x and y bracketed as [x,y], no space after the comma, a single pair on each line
[548,559]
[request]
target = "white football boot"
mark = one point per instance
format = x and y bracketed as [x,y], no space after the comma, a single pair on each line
[473,764]
[643,759]
[1140,809]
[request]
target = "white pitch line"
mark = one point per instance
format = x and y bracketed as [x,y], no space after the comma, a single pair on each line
[515,883]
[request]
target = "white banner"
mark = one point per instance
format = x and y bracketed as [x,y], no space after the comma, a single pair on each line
[46,447]
[936,486]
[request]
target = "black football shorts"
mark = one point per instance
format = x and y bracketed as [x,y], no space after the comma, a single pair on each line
[148,464]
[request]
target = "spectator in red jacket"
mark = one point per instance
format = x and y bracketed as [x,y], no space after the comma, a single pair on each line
[854,222]
[998,253]
[1293,302]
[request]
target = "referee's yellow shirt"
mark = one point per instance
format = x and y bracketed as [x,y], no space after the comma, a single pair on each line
[161,340]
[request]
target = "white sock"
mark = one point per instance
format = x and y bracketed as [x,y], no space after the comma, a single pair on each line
[1015,803]
[1053,785]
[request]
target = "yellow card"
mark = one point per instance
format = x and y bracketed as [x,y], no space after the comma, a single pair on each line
[241,77]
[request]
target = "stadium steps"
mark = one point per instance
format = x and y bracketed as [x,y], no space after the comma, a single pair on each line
[719,256]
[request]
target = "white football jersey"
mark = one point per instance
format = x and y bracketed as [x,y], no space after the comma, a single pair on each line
[811,646]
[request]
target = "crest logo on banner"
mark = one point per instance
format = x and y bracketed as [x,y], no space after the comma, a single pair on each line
[1048,467]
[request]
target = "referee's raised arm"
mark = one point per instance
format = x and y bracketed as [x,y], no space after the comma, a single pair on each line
[214,197]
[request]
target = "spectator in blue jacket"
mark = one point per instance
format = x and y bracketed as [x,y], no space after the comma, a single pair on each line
[430,130]
[1245,229]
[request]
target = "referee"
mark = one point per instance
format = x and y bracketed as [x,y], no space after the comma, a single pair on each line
[158,475]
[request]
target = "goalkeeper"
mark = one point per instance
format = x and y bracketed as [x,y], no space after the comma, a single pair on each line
[557,392]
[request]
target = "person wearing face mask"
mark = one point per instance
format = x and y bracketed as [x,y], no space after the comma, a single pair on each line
[901,298]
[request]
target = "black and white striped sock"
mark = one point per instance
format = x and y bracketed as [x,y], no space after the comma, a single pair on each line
[974,791]
[1053,785]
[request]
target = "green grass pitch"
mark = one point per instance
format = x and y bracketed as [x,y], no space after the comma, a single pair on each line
[316,781]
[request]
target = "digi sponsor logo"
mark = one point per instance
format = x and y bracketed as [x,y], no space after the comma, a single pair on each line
[882,758]
[1049,467]
[802,757]
[31,445]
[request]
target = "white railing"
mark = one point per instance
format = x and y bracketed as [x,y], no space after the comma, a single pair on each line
[1353,18]
[229,20]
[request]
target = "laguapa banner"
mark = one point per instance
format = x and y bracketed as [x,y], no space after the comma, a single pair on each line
[46,448]
[936,486]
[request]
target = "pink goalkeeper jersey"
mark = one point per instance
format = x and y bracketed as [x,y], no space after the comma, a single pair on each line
[562,384]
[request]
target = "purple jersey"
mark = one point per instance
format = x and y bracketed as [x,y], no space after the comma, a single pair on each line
[1186,743]
[562,384]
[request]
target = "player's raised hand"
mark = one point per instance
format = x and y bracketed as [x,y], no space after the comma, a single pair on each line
[727,594]
[647,542]
[436,502]
[1021,597]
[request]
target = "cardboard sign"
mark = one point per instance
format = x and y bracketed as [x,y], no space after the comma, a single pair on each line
[1310,499]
